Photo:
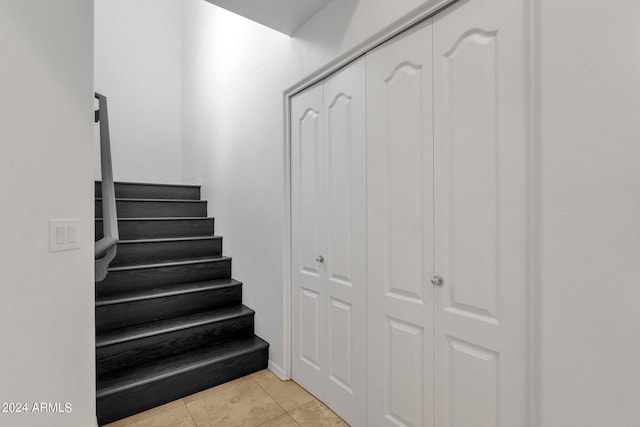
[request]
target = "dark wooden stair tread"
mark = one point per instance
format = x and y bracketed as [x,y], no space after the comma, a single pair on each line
[168,264]
[160,227]
[162,218]
[136,207]
[136,199]
[166,249]
[153,274]
[153,184]
[152,190]
[117,336]
[169,239]
[166,291]
[178,364]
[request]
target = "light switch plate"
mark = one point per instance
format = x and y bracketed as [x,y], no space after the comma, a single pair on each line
[63,234]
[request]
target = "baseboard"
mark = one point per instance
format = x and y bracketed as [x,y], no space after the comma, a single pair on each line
[278,371]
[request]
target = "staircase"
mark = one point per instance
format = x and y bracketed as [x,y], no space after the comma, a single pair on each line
[169,317]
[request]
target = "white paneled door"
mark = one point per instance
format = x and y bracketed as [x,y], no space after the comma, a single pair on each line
[329,241]
[447,216]
[411,252]
[309,288]
[400,235]
[481,232]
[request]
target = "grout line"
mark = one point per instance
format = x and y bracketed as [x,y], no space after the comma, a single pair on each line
[293,419]
[314,398]
[302,404]
[190,414]
[274,399]
[269,394]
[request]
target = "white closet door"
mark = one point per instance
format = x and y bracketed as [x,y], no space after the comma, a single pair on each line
[309,314]
[329,242]
[481,215]
[400,230]
[345,237]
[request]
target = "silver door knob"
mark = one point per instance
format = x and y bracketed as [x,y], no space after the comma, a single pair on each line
[437,280]
[320,258]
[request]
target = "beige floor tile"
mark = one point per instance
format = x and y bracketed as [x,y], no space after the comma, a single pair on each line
[245,404]
[176,417]
[259,374]
[316,414]
[287,393]
[282,421]
[216,389]
[146,414]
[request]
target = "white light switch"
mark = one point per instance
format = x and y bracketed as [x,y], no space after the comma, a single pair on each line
[71,234]
[63,234]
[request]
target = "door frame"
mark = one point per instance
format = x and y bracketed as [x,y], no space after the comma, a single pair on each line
[531,27]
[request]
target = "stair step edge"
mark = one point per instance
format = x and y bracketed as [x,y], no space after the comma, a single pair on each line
[169,264]
[127,199]
[167,291]
[155,184]
[170,239]
[171,325]
[254,344]
[163,218]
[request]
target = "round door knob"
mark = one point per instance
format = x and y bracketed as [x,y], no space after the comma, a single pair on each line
[320,258]
[437,280]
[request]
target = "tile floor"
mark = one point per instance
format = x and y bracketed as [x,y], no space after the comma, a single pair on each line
[259,399]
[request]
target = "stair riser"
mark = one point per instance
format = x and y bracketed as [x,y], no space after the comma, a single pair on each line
[146,350]
[146,191]
[155,252]
[157,229]
[155,209]
[137,312]
[149,278]
[152,394]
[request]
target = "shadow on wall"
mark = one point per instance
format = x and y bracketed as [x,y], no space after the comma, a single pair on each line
[328,28]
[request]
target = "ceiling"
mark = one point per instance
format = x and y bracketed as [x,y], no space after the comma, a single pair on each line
[285,16]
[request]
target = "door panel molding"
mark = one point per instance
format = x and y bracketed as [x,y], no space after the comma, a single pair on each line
[329,195]
[400,233]
[481,219]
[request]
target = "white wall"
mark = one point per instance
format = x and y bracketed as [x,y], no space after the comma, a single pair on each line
[235,73]
[589,284]
[46,130]
[137,67]
[587,105]
[232,143]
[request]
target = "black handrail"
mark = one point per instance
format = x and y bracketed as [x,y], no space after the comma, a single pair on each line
[105,248]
